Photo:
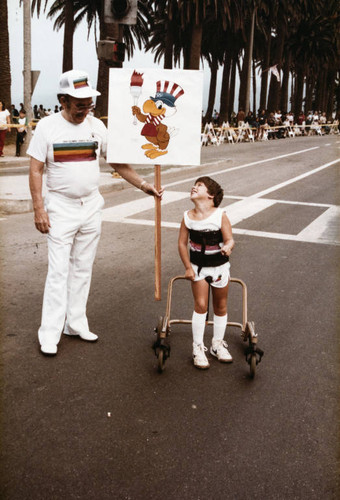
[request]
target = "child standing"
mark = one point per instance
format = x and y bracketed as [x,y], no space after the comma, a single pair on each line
[208,230]
[21,131]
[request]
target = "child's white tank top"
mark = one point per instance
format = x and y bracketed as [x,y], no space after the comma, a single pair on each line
[211,223]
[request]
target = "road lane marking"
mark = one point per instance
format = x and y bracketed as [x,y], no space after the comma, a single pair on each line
[121,212]
[322,230]
[294,179]
[239,167]
[244,209]
[286,237]
[326,226]
[246,232]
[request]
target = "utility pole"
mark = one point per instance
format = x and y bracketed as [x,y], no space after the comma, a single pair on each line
[247,106]
[27,68]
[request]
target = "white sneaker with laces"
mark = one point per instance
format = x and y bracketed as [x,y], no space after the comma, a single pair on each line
[199,357]
[219,350]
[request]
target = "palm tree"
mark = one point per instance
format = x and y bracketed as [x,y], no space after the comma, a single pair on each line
[314,47]
[5,68]
[65,8]
[66,19]
[265,16]
[92,11]
[213,52]
[165,38]
[233,45]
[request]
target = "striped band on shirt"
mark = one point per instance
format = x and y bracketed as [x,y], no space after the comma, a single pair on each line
[75,151]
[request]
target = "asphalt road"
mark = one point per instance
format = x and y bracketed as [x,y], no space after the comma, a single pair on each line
[99,422]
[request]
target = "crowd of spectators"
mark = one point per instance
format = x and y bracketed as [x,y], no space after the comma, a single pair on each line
[267,126]
[18,117]
[278,124]
[38,112]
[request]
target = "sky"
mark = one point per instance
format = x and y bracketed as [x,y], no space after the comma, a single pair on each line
[47,53]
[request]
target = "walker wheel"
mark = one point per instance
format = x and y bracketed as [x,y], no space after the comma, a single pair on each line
[161,346]
[253,363]
[161,361]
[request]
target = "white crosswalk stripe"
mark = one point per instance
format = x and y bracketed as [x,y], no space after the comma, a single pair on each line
[324,229]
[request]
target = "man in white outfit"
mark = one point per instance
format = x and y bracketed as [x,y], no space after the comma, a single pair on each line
[69,143]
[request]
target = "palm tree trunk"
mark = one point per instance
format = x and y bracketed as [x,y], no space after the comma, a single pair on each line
[195,46]
[107,31]
[324,90]
[225,88]
[243,78]
[68,36]
[331,91]
[300,78]
[249,61]
[232,87]
[285,83]
[254,87]
[310,84]
[212,90]
[265,66]
[321,83]
[244,96]
[5,68]
[169,43]
[275,86]
[292,91]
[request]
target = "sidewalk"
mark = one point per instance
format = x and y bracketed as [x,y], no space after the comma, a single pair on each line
[15,195]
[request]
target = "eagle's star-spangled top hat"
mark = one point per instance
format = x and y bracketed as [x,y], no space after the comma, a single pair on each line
[167,92]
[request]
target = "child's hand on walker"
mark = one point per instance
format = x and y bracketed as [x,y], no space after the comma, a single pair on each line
[226,250]
[189,274]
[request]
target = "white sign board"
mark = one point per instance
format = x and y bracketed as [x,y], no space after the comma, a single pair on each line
[155,116]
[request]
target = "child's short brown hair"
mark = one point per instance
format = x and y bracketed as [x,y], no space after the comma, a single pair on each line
[214,189]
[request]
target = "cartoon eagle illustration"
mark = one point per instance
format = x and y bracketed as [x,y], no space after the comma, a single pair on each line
[156,109]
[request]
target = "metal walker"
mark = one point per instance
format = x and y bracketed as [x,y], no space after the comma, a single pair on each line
[161,346]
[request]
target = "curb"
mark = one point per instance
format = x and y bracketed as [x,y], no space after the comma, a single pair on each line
[12,207]
[22,206]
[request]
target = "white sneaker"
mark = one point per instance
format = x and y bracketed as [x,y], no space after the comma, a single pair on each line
[89,336]
[219,350]
[199,357]
[49,349]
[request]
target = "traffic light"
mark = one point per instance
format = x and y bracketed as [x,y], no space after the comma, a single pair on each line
[120,11]
[111,51]
[118,52]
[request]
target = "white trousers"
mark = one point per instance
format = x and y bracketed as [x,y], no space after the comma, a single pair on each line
[72,243]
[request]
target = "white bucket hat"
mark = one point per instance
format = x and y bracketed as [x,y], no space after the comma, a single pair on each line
[76,84]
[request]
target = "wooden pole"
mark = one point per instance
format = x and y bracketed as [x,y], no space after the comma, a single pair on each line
[27,71]
[158,246]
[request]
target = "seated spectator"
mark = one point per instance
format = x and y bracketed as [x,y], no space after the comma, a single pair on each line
[240,117]
[262,121]
[215,117]
[278,117]
[290,117]
[301,122]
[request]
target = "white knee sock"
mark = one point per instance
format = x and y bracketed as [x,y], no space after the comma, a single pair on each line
[198,326]
[220,323]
